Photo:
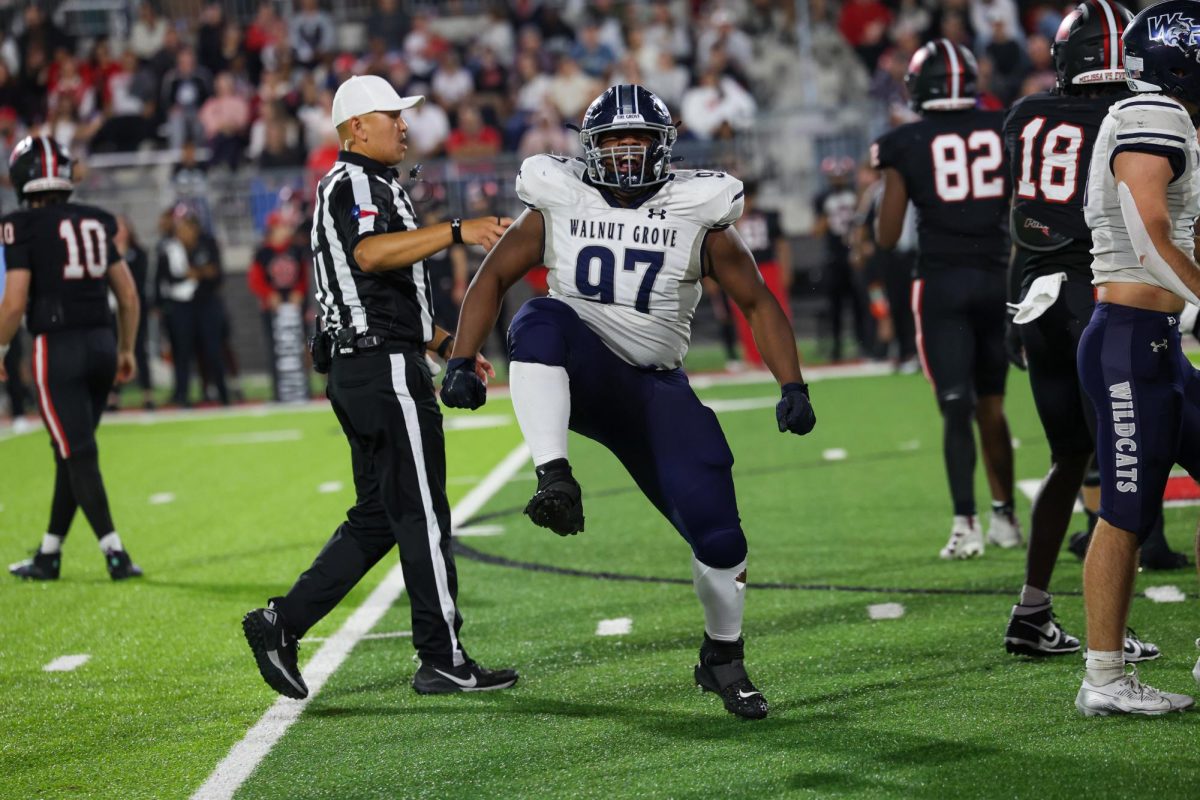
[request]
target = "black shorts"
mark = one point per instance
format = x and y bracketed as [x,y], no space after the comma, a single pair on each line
[1051,342]
[960,315]
[74,371]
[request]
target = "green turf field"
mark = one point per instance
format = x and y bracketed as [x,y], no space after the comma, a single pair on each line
[924,706]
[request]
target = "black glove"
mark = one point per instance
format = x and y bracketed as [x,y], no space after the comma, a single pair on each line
[462,388]
[1013,346]
[794,413]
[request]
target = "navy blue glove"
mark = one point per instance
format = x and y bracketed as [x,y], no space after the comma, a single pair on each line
[794,413]
[461,387]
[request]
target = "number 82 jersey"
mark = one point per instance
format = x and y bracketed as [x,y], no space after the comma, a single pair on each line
[954,170]
[631,273]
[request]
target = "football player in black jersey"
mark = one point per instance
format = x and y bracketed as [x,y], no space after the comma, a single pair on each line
[62,261]
[1049,139]
[950,164]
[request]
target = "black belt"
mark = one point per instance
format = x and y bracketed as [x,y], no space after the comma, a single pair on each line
[372,343]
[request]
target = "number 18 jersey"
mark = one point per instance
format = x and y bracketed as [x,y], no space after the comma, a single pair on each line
[954,170]
[632,274]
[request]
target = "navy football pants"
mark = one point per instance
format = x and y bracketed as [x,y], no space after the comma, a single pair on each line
[651,420]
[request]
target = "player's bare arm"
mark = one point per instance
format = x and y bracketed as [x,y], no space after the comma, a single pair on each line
[120,279]
[1142,180]
[893,205]
[386,251]
[730,263]
[12,308]
[517,252]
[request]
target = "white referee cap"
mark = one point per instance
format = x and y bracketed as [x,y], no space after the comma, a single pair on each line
[362,94]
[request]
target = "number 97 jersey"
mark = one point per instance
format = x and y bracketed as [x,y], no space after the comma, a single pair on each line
[632,274]
[953,167]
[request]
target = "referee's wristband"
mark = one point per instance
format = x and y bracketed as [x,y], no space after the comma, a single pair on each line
[456,230]
[444,348]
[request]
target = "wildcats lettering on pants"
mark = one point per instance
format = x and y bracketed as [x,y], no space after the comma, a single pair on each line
[1122,409]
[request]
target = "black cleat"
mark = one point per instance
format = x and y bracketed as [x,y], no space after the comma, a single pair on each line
[1037,634]
[470,677]
[121,566]
[275,649]
[558,502]
[729,679]
[1163,559]
[42,567]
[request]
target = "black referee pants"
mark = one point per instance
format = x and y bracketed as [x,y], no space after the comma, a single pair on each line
[386,405]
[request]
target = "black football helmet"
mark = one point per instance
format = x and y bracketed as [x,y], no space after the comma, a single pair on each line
[627,107]
[1087,48]
[1162,50]
[942,76]
[40,164]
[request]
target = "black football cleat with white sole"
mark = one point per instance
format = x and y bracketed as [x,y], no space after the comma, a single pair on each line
[470,677]
[558,502]
[121,566]
[1137,651]
[276,650]
[1036,632]
[722,670]
[42,567]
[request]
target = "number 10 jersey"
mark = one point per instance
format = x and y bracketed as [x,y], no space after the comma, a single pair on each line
[631,274]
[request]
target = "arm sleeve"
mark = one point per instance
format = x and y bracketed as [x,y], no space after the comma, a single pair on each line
[362,207]
[17,240]
[1152,126]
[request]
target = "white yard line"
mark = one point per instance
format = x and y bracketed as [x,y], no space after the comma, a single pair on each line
[834,454]
[247,754]
[886,611]
[67,663]
[480,530]
[614,627]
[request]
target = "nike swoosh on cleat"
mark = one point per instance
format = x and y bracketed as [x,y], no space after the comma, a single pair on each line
[469,684]
[745,695]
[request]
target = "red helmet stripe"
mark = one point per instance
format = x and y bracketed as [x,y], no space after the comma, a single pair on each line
[1112,33]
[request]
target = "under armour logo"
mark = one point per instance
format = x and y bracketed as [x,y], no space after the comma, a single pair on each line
[1156,346]
[661,212]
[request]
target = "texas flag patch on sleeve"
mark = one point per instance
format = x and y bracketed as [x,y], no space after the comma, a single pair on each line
[363,211]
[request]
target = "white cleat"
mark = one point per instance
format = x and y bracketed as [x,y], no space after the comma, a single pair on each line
[1004,531]
[1128,695]
[965,539]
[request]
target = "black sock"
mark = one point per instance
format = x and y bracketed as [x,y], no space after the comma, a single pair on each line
[715,652]
[556,465]
[1003,509]
[88,487]
[63,505]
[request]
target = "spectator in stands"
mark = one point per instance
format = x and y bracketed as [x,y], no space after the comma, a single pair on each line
[10,52]
[471,138]
[312,34]
[129,104]
[548,135]
[736,44]
[210,39]
[593,56]
[952,20]
[388,23]
[864,24]
[275,139]
[644,54]
[452,82]
[11,96]
[1008,61]
[668,79]
[490,79]
[148,33]
[665,34]
[555,31]
[422,47]
[985,14]
[571,89]
[226,119]
[716,107]
[34,83]
[313,114]
[498,35]
[184,91]
[1041,76]
[63,122]
[40,32]
[428,129]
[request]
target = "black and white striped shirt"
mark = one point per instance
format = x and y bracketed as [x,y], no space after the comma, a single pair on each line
[360,197]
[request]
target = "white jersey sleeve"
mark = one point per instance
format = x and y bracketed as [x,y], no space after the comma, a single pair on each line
[1152,125]
[546,181]
[1145,123]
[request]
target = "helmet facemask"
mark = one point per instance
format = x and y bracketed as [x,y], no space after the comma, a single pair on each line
[628,166]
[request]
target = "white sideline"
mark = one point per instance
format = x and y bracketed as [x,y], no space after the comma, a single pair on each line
[247,754]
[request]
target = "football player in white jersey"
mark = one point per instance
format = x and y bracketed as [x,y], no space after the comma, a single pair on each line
[1143,199]
[627,240]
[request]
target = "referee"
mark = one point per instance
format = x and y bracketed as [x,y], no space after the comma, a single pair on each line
[374,294]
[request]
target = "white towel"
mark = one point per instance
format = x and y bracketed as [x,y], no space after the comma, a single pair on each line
[1042,294]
